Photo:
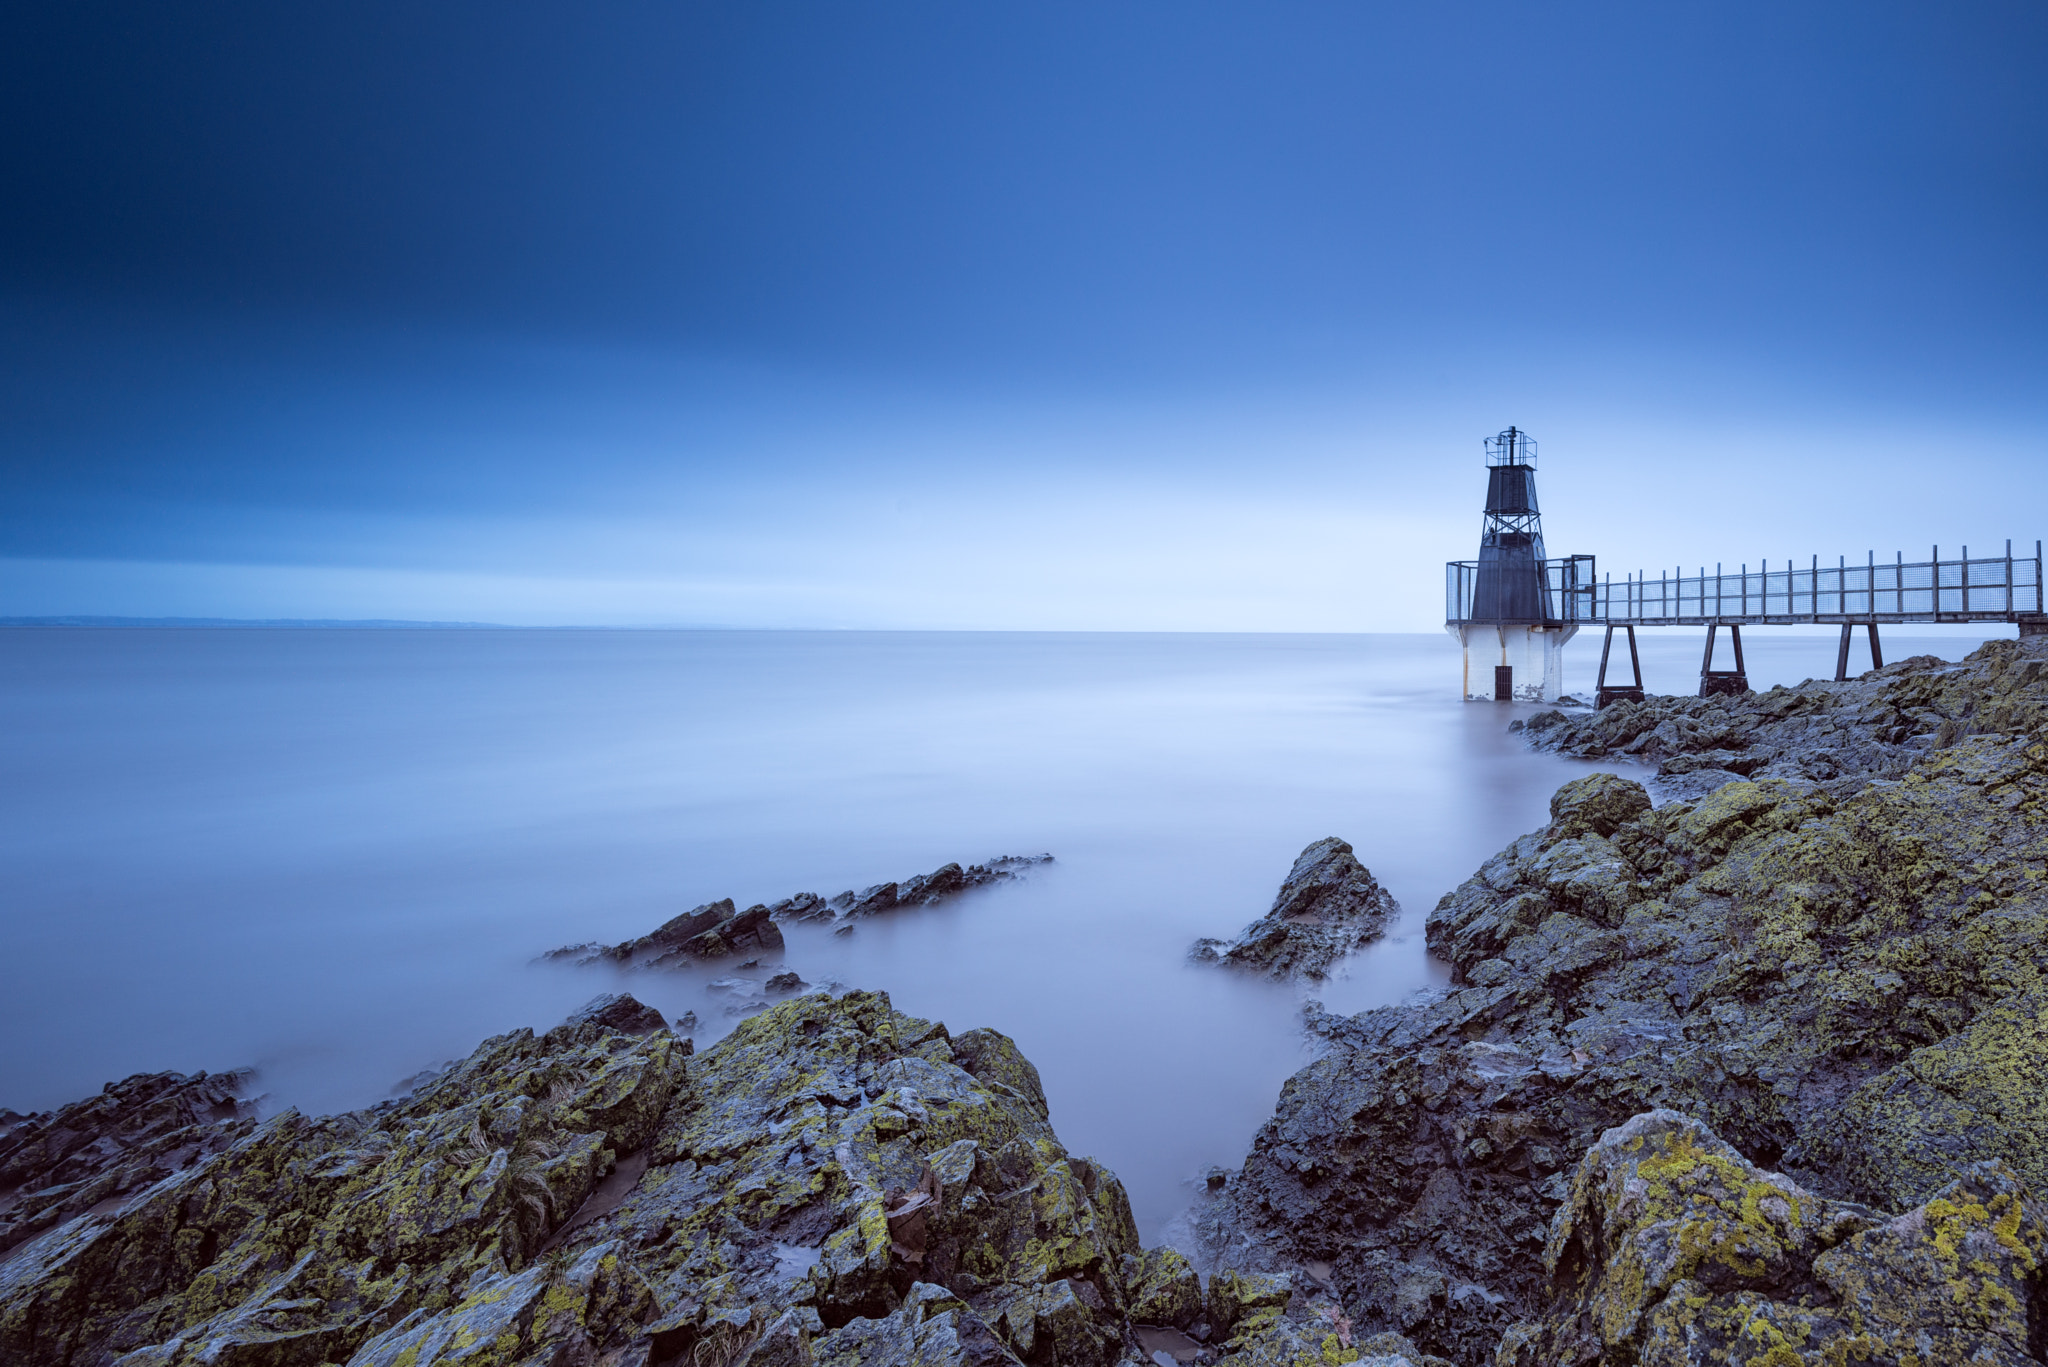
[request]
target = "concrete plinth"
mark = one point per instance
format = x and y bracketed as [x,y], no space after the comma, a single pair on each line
[1535,654]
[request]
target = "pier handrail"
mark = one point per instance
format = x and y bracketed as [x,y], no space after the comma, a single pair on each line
[1959,588]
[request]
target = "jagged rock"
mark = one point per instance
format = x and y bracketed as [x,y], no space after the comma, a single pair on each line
[619,1011]
[712,931]
[873,902]
[1672,1248]
[308,1238]
[1328,906]
[929,889]
[834,1183]
[1840,734]
[1844,978]
[1165,1290]
[787,981]
[57,1165]
[805,906]
[715,930]
[1599,804]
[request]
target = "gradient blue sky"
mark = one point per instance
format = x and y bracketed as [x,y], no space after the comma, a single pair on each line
[1178,316]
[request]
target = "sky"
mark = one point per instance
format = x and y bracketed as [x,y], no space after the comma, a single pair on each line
[1138,316]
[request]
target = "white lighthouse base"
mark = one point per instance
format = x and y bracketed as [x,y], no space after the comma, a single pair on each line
[1536,654]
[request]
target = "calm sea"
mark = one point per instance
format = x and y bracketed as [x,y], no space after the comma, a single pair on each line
[334,855]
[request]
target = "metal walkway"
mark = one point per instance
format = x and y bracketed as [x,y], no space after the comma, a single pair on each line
[2000,588]
[1964,588]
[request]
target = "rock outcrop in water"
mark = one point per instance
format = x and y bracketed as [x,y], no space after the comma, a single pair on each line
[1843,978]
[927,889]
[1328,906]
[717,930]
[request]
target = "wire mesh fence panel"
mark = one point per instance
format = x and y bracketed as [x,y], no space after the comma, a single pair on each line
[1944,589]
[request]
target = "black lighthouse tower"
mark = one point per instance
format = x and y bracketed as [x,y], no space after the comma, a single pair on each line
[1511,609]
[1509,589]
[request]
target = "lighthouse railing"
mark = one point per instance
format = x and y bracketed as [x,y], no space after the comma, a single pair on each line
[1568,583]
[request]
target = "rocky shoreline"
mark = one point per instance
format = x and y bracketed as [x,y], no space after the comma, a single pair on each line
[1746,1062]
[1834,965]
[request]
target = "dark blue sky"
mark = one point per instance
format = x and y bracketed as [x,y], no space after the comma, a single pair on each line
[1136,315]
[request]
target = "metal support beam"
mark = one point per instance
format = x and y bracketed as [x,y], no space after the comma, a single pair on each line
[1602,694]
[1717,681]
[1842,654]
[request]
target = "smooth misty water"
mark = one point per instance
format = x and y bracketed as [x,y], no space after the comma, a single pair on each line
[334,854]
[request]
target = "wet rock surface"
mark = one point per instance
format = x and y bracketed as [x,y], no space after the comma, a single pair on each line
[1839,734]
[718,930]
[1841,979]
[1671,1247]
[58,1165]
[1328,906]
[834,1183]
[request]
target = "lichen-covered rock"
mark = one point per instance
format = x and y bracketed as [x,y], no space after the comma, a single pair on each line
[1840,734]
[1599,804]
[60,1164]
[1313,1331]
[1328,906]
[307,1237]
[621,1012]
[1165,1289]
[1844,979]
[832,1183]
[1673,1250]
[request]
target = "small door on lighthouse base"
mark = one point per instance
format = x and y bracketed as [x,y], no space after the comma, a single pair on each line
[1529,660]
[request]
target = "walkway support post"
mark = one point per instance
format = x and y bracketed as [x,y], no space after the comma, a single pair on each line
[1602,693]
[1718,681]
[1842,655]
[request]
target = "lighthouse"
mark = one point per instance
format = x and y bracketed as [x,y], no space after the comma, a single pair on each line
[1509,608]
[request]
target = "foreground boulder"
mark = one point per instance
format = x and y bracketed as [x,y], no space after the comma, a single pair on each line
[1328,906]
[834,1183]
[1845,980]
[1672,1248]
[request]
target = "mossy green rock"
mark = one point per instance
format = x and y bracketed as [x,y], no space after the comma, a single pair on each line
[1841,978]
[592,1196]
[1673,1250]
[1599,804]
[1166,1290]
